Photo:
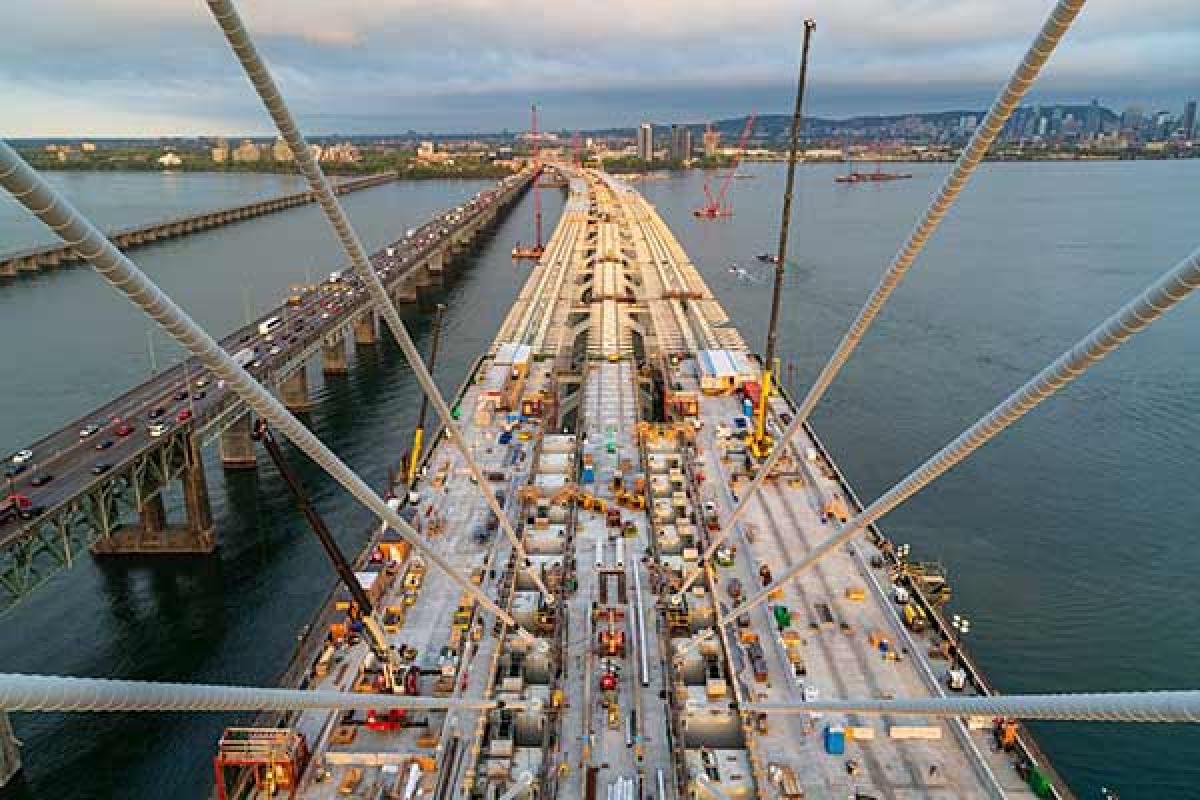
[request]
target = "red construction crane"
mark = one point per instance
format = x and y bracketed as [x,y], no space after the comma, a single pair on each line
[577,148]
[715,206]
[534,252]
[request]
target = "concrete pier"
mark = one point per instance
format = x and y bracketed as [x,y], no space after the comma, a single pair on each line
[10,754]
[366,329]
[237,447]
[196,503]
[153,515]
[293,391]
[333,355]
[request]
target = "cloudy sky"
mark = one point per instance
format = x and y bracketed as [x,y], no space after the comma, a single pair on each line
[160,67]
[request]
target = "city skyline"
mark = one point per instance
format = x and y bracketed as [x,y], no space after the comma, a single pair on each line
[141,68]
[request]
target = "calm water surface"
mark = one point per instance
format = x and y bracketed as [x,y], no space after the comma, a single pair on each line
[1071,541]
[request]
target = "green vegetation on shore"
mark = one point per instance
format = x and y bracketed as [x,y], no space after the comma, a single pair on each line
[145,160]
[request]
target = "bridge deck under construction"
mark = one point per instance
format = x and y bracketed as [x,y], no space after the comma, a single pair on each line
[617,448]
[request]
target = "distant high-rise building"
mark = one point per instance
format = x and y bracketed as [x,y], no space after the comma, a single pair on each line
[1188,124]
[645,142]
[281,152]
[712,143]
[247,151]
[681,143]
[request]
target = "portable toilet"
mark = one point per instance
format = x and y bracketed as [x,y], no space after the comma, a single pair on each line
[835,740]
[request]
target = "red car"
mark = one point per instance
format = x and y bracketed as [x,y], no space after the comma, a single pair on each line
[184,415]
[123,429]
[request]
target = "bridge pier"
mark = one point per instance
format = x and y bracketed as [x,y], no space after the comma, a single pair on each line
[237,447]
[366,328]
[293,391]
[10,755]
[153,515]
[436,266]
[333,355]
[195,502]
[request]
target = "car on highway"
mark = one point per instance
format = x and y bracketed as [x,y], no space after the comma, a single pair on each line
[156,413]
[41,480]
[104,444]
[201,383]
[15,470]
[22,457]
[101,468]
[200,395]
[184,415]
[157,429]
[88,430]
[123,428]
[276,350]
[182,394]
[31,512]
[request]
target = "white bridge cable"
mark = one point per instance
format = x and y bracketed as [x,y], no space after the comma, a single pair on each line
[33,192]
[1052,31]
[1151,706]
[60,693]
[256,70]
[1134,316]
[57,693]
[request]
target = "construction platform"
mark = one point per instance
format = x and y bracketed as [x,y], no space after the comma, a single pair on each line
[610,419]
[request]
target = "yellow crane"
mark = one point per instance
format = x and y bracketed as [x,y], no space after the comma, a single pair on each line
[419,431]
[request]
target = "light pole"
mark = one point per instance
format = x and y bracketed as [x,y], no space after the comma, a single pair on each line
[150,348]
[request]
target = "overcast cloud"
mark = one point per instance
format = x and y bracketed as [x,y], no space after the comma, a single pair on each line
[160,67]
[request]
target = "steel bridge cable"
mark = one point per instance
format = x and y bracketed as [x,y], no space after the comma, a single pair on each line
[55,693]
[1134,316]
[256,69]
[59,693]
[1052,31]
[1161,706]
[33,192]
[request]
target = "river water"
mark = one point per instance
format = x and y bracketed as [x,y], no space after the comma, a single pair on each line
[1070,541]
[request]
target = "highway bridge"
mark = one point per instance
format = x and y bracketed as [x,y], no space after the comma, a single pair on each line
[99,481]
[36,259]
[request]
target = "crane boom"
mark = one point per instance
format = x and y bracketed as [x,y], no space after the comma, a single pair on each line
[737,160]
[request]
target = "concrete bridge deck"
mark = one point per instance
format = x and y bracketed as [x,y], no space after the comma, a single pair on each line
[36,259]
[95,492]
[613,303]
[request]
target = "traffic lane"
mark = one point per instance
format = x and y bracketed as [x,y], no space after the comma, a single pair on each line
[67,444]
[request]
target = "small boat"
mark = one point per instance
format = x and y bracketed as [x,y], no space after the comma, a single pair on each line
[854,176]
[733,268]
[767,258]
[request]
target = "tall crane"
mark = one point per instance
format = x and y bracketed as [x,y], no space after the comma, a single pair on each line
[715,205]
[535,251]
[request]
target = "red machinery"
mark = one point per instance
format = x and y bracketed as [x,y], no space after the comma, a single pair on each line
[715,206]
[390,720]
[535,251]
[610,641]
